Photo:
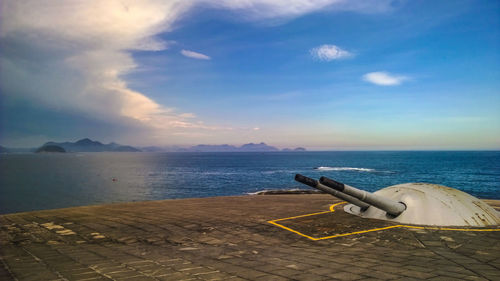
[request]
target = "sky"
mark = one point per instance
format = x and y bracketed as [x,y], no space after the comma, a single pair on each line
[321,74]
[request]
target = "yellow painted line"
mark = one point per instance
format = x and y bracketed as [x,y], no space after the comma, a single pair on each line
[291,230]
[357,232]
[301,216]
[307,215]
[332,209]
[451,229]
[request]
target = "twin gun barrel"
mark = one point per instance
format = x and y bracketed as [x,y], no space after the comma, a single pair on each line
[360,198]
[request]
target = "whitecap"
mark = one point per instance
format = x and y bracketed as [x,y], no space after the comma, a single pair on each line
[344,169]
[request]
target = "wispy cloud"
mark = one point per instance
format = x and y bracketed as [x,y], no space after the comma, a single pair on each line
[384,78]
[276,9]
[194,55]
[329,53]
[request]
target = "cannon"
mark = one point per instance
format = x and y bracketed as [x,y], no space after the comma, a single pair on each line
[392,208]
[411,203]
[314,183]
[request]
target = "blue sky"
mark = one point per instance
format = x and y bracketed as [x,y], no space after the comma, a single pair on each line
[340,75]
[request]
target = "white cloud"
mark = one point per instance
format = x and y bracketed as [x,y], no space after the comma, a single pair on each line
[73,55]
[194,55]
[384,78]
[276,9]
[77,53]
[329,53]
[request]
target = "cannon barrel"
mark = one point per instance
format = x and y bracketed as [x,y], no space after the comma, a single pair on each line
[393,208]
[314,183]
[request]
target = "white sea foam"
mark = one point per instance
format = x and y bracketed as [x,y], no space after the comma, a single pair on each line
[283,191]
[257,192]
[344,169]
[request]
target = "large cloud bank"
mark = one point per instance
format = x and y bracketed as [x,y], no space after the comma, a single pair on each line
[72,55]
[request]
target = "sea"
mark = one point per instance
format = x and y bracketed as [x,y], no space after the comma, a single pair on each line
[47,181]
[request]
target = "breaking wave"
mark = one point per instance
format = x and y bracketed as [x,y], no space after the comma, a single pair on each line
[344,169]
[284,191]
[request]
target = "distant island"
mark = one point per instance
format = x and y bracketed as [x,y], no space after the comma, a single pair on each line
[4,149]
[249,147]
[294,150]
[50,149]
[88,145]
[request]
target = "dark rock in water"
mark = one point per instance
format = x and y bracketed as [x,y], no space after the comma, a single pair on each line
[287,191]
[50,149]
[3,149]
[299,149]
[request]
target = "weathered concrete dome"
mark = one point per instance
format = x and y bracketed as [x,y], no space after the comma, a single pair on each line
[432,204]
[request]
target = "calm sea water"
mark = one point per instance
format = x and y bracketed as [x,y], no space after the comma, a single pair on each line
[47,181]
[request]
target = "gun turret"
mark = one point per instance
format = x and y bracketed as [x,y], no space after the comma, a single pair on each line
[392,208]
[314,183]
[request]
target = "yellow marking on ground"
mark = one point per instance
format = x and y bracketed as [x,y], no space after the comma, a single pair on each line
[357,232]
[450,229]
[291,230]
[301,216]
[332,209]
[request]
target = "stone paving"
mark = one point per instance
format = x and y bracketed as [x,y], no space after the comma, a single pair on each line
[230,238]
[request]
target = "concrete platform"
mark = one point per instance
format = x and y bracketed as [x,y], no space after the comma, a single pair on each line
[267,237]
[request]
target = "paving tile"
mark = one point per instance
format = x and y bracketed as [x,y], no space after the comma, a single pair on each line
[417,274]
[345,276]
[228,238]
[381,275]
[311,277]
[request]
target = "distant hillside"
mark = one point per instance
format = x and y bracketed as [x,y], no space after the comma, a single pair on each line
[212,148]
[88,145]
[260,147]
[249,147]
[293,150]
[4,149]
[172,148]
[50,148]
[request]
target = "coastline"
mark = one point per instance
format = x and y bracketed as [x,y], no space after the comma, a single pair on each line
[267,192]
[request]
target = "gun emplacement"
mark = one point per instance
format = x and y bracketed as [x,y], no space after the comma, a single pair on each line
[393,208]
[314,183]
[411,203]
[360,198]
